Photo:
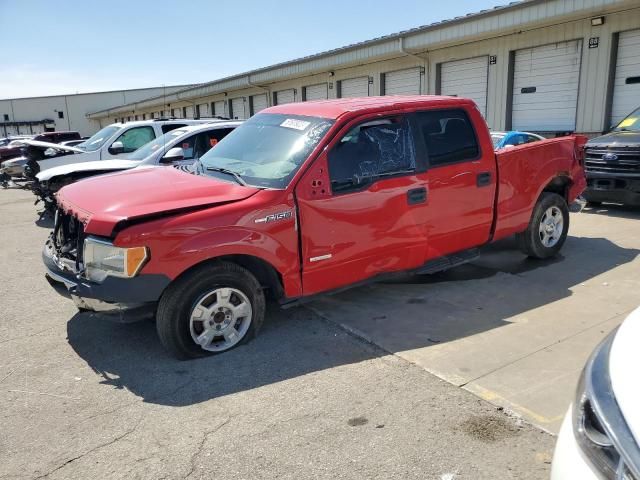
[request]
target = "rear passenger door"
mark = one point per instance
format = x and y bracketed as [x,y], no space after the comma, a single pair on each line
[461,180]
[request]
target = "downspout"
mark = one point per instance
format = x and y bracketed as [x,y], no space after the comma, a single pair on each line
[424,61]
[264,89]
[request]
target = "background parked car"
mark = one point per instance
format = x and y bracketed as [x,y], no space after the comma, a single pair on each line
[181,146]
[599,435]
[113,141]
[13,149]
[612,164]
[57,137]
[4,141]
[513,138]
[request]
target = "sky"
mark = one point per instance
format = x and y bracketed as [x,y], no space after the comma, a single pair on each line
[77,46]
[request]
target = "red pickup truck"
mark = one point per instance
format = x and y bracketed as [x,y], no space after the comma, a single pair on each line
[304,199]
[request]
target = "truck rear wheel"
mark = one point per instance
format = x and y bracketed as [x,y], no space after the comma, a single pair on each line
[210,310]
[548,227]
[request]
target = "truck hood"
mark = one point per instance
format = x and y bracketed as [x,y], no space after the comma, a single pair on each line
[616,139]
[107,202]
[623,361]
[97,165]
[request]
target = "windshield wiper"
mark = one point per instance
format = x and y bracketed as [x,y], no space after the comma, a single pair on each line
[235,175]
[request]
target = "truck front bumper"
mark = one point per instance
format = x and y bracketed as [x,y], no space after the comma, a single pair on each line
[617,189]
[119,299]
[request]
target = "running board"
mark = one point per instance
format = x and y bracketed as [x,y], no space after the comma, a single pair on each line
[433,266]
[448,261]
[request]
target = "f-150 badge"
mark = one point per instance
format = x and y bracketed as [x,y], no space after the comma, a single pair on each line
[274,217]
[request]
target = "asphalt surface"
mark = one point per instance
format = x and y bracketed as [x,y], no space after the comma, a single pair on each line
[84,398]
[513,330]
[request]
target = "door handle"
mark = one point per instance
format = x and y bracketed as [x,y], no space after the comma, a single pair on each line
[417,195]
[483,179]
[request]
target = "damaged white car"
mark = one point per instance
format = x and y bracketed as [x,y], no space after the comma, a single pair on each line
[181,146]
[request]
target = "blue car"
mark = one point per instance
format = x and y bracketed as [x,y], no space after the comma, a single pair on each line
[513,138]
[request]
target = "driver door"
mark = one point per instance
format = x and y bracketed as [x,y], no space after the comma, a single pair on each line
[360,206]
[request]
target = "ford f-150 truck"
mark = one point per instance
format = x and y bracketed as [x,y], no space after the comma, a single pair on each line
[612,164]
[300,200]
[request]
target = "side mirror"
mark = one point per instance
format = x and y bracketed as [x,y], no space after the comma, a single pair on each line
[173,155]
[116,148]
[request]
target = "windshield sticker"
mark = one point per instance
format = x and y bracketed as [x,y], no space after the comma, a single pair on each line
[295,124]
[627,122]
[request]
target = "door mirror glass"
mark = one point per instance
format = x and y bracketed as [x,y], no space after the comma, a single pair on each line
[173,155]
[116,148]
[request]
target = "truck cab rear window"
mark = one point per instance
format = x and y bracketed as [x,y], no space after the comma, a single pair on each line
[374,149]
[448,137]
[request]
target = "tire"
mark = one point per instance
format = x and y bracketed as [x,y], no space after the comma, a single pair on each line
[544,236]
[227,298]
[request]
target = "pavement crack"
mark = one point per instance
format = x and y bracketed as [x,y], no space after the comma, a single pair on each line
[92,450]
[198,451]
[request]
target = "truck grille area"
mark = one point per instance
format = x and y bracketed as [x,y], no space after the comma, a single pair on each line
[619,160]
[67,238]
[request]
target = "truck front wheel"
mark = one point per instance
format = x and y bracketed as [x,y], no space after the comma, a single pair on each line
[548,227]
[212,309]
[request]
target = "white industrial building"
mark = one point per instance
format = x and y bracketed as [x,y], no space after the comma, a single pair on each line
[67,112]
[540,65]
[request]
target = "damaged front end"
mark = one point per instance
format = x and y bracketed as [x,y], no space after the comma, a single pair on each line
[120,299]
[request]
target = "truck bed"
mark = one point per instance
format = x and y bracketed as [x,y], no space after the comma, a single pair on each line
[526,170]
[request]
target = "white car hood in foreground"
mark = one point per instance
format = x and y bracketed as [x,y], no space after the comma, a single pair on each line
[101,165]
[624,361]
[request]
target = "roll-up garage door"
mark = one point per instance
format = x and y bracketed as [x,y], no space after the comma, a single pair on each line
[237,108]
[219,109]
[354,87]
[285,96]
[545,87]
[466,78]
[189,112]
[316,92]
[626,87]
[203,110]
[258,102]
[402,82]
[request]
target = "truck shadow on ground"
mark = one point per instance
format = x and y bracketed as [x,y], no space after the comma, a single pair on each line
[614,210]
[412,312]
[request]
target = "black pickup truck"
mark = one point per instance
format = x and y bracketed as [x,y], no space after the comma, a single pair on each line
[612,164]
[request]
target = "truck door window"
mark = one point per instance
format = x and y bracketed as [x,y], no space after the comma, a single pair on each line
[136,137]
[371,150]
[448,136]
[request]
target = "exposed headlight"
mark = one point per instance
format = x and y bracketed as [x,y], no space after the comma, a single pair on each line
[102,259]
[598,424]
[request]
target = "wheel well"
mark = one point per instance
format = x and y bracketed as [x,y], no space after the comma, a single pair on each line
[559,185]
[265,273]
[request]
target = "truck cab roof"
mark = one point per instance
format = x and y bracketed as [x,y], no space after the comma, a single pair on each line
[335,108]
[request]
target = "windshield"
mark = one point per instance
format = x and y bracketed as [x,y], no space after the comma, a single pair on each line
[496,138]
[268,149]
[152,147]
[98,139]
[629,124]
